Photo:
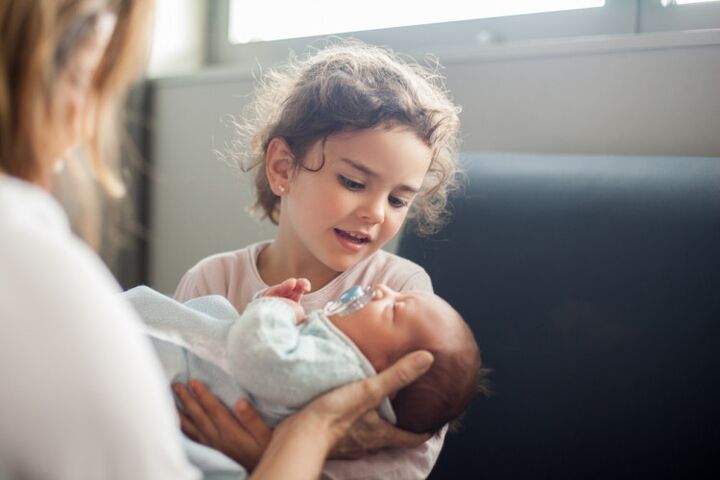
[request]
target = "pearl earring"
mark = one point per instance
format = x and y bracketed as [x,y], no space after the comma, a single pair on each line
[282,189]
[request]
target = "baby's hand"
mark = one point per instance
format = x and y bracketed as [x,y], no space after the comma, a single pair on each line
[297,308]
[292,289]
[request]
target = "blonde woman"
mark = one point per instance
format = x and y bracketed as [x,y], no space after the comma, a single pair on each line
[83,396]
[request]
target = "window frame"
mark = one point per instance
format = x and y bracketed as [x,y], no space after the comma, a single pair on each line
[617,17]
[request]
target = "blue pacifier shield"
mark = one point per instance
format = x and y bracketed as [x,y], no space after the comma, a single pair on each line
[351,300]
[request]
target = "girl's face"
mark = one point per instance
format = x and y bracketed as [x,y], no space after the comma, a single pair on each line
[358,200]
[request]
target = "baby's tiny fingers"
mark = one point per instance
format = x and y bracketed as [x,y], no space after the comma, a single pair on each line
[289,284]
[304,284]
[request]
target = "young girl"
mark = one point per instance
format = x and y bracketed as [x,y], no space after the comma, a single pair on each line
[347,144]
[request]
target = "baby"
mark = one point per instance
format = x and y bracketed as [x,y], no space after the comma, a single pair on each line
[281,358]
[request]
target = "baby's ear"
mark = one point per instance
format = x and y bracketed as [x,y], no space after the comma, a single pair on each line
[279,165]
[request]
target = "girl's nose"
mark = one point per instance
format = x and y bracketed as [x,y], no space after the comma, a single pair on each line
[373,211]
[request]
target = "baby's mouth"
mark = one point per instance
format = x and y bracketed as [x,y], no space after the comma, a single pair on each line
[358,238]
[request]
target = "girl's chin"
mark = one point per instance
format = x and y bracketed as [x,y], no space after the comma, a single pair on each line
[344,261]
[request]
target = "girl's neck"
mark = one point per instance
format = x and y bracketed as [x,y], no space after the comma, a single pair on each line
[285,259]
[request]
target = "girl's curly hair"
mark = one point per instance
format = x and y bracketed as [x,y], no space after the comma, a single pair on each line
[350,86]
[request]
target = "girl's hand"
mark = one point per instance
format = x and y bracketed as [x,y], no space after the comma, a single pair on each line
[242,436]
[292,289]
[301,442]
[371,433]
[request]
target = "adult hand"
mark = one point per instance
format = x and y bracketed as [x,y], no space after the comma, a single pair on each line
[371,433]
[242,436]
[328,418]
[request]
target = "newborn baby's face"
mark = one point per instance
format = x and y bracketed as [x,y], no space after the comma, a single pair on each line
[394,324]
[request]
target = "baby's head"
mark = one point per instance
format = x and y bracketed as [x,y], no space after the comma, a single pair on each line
[394,324]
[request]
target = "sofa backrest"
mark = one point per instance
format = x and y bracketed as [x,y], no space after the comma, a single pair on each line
[592,284]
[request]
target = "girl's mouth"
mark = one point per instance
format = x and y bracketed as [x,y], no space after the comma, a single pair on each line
[351,240]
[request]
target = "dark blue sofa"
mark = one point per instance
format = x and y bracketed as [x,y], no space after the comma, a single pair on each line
[592,285]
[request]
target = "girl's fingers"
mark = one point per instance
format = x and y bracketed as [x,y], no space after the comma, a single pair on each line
[215,411]
[195,413]
[189,429]
[251,421]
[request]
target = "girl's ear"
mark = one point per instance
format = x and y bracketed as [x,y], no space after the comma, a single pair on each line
[279,165]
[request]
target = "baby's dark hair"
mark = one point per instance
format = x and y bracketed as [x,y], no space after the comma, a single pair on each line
[350,86]
[443,394]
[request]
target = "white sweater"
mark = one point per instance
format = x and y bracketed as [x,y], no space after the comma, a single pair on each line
[83,396]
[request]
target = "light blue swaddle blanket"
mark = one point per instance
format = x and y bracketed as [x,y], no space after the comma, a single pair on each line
[260,354]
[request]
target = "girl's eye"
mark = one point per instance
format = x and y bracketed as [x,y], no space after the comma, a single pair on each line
[350,184]
[397,202]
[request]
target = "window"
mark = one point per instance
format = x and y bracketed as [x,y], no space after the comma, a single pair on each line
[282,19]
[245,32]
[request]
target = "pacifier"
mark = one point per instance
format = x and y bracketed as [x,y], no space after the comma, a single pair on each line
[351,300]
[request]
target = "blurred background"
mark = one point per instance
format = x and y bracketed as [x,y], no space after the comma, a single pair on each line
[618,77]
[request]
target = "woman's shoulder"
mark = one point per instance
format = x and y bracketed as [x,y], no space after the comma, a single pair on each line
[35,237]
[43,259]
[28,208]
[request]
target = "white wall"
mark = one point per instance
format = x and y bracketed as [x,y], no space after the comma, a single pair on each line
[643,94]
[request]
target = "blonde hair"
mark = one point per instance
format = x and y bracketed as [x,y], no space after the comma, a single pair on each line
[37,39]
[350,86]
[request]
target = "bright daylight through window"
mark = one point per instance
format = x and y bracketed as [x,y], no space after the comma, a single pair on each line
[282,19]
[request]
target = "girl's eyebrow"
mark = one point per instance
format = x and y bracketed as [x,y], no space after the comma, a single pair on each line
[359,166]
[367,171]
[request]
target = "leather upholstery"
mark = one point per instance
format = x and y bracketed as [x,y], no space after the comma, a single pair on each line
[592,284]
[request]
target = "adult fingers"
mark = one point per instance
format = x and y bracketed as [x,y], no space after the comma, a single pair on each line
[370,433]
[345,405]
[396,437]
[251,421]
[402,373]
